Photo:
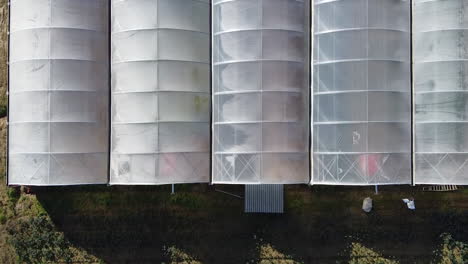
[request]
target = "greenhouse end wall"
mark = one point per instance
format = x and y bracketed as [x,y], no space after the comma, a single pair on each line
[58,92]
[160,91]
[361,92]
[440,31]
[260,91]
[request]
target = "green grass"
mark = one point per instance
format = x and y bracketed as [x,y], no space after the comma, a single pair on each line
[13,194]
[36,241]
[3,217]
[137,223]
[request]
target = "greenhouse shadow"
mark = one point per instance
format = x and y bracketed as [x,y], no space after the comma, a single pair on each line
[138,224]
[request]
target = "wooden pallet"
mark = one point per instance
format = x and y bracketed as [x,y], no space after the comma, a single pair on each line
[440,188]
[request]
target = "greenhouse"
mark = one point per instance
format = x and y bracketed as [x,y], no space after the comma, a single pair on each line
[319,92]
[260,91]
[58,92]
[160,92]
[361,92]
[440,92]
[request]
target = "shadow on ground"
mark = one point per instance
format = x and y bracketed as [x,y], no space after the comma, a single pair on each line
[137,224]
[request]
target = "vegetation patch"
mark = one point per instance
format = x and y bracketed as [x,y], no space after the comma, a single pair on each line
[177,256]
[13,194]
[187,200]
[3,217]
[35,240]
[269,255]
[360,254]
[294,202]
[451,251]
[3,109]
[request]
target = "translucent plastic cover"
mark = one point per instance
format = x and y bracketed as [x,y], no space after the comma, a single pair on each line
[440,33]
[260,91]
[58,92]
[361,92]
[160,91]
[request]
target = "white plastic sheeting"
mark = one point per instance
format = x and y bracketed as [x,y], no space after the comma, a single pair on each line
[440,91]
[260,91]
[160,91]
[58,92]
[361,103]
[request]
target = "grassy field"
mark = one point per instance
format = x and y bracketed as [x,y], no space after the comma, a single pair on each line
[99,224]
[200,225]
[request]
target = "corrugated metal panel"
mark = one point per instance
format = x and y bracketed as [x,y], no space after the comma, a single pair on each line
[264,198]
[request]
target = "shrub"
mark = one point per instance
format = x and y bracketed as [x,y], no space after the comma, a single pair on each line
[3,217]
[36,241]
[269,255]
[177,256]
[452,251]
[3,111]
[362,255]
[13,194]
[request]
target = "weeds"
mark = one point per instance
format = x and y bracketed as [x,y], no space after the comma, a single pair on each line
[186,200]
[13,194]
[36,241]
[451,251]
